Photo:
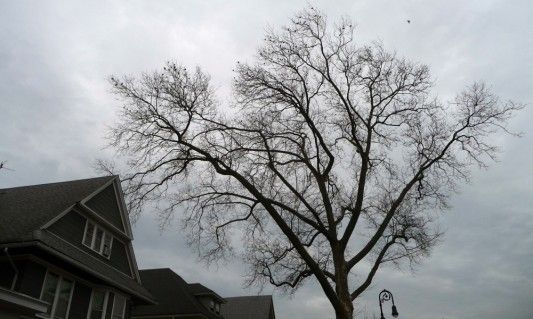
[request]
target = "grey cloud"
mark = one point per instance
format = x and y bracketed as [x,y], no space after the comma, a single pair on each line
[55,104]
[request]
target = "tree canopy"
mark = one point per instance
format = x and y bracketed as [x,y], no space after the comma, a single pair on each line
[333,156]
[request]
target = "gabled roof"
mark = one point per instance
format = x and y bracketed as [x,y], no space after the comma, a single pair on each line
[25,209]
[172,294]
[248,307]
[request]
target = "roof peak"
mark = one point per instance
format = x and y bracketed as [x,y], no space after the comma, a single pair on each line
[28,208]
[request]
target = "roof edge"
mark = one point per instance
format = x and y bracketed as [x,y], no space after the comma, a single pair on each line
[65,181]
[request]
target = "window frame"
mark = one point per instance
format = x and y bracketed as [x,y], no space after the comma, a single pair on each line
[106,300]
[53,306]
[123,308]
[104,237]
[105,234]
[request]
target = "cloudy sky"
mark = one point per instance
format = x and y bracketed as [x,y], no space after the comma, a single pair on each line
[55,105]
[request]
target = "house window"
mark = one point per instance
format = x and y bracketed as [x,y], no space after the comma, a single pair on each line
[98,304]
[119,307]
[57,291]
[89,232]
[97,239]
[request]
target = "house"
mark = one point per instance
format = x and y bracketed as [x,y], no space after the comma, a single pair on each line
[178,299]
[66,252]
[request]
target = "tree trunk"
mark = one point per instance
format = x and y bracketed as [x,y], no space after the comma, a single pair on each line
[345,313]
[345,309]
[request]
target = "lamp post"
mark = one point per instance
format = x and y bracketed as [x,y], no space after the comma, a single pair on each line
[385,295]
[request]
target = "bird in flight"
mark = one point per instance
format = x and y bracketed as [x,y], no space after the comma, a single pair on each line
[408,21]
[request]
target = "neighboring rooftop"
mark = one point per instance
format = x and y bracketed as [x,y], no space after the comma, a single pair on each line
[249,307]
[173,295]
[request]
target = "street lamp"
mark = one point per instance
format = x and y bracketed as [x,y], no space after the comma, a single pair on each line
[385,295]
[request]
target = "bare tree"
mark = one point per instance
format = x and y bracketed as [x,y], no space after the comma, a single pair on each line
[333,160]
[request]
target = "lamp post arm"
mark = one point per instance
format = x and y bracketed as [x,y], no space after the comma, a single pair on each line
[386,295]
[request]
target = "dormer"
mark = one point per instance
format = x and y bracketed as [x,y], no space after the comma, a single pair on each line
[207,297]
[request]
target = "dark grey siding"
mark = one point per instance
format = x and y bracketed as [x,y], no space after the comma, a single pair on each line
[80,301]
[119,258]
[105,204]
[31,278]
[6,274]
[71,227]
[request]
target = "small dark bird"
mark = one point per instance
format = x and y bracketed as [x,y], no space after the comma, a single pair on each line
[408,21]
[3,166]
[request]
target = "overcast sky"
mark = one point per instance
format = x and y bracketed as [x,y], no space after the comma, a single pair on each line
[55,104]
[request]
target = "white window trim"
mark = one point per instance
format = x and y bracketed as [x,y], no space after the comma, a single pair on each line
[105,233]
[123,308]
[85,233]
[56,295]
[106,299]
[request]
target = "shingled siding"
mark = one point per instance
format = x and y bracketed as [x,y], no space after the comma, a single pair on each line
[80,301]
[105,204]
[71,228]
